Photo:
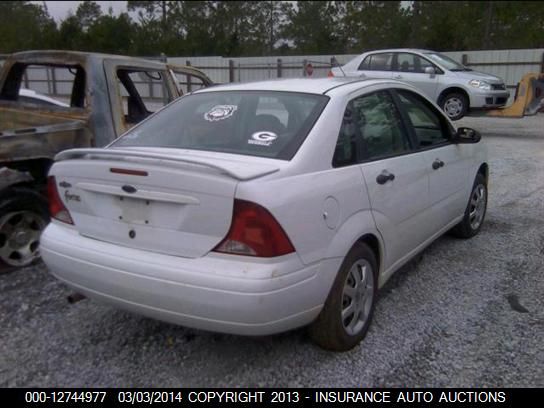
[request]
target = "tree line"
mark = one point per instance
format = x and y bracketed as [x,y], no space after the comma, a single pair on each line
[255,28]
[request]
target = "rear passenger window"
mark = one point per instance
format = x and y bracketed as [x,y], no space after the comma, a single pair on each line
[377,62]
[381,62]
[371,129]
[429,126]
[365,65]
[346,145]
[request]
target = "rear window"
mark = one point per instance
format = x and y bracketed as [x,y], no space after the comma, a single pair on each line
[256,123]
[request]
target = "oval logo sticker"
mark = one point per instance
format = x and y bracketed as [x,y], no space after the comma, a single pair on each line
[220,112]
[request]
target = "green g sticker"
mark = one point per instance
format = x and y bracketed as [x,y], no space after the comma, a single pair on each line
[263,138]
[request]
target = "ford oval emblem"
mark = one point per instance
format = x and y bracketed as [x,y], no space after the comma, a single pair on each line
[128,189]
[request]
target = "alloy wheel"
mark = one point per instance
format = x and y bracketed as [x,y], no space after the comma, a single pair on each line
[357,296]
[477,206]
[19,237]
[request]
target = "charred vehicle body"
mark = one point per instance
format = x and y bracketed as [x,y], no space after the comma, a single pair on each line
[101,96]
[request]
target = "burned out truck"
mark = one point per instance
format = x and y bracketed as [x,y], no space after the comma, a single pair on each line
[92,99]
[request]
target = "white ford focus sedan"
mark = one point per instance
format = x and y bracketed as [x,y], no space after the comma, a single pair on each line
[261,207]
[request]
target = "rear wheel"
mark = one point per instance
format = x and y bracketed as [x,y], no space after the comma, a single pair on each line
[23,216]
[455,105]
[474,216]
[348,310]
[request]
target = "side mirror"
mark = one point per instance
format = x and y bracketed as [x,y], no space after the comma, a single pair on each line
[431,71]
[466,135]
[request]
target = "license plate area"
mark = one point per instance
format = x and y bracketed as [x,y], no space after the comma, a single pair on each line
[134,210]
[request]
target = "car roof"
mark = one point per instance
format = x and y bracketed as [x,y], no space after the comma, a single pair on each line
[419,50]
[302,85]
[23,55]
[61,57]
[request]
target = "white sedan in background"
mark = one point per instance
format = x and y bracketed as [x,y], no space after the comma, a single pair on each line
[261,207]
[455,87]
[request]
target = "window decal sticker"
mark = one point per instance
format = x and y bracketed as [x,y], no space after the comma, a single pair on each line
[263,138]
[220,112]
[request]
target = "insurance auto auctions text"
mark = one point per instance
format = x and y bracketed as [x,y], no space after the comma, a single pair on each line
[394,396]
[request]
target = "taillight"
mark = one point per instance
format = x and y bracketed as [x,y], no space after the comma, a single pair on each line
[254,232]
[57,210]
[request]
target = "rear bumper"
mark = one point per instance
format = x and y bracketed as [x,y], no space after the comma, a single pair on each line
[231,294]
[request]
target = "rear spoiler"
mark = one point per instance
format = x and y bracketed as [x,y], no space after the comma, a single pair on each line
[240,170]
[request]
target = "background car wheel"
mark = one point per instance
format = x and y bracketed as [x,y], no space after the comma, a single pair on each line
[348,310]
[475,212]
[455,105]
[23,216]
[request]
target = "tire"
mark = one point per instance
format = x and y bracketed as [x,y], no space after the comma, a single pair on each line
[455,105]
[23,216]
[475,212]
[332,332]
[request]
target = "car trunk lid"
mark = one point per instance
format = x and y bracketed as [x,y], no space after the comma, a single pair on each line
[161,201]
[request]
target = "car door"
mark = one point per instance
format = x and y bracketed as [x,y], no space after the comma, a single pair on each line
[377,65]
[394,174]
[446,163]
[136,91]
[410,68]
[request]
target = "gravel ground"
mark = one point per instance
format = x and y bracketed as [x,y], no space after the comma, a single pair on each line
[464,314]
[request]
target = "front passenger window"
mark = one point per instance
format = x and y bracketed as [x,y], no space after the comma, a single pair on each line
[429,126]
[407,62]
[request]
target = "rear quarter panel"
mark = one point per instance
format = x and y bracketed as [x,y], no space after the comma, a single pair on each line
[323,213]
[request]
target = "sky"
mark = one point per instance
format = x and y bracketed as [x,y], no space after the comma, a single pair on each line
[59,9]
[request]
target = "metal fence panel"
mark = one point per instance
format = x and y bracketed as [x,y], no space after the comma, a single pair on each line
[510,65]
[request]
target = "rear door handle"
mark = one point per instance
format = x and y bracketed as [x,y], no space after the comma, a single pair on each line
[384,177]
[397,77]
[437,164]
